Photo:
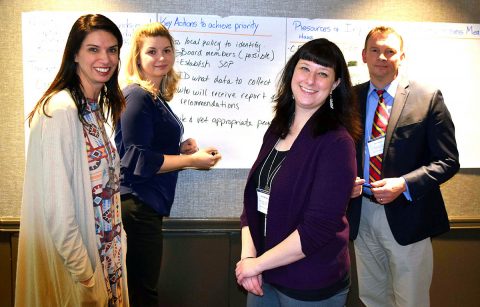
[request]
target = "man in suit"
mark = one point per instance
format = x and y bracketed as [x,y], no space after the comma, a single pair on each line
[408,151]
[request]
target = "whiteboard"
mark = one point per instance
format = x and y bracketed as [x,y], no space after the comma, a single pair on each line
[229,68]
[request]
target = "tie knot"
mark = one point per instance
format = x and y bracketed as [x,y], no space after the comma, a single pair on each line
[380,92]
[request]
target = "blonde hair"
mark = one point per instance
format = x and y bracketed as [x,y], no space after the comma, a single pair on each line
[133,71]
[385,31]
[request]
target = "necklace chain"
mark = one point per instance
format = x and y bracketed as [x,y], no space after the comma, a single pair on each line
[270,174]
[275,171]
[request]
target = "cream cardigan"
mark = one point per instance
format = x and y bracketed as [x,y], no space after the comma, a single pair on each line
[57,244]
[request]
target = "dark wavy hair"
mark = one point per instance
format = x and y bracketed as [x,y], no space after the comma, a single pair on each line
[345,112]
[111,97]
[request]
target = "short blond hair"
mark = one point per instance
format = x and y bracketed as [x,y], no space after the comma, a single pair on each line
[384,30]
[133,71]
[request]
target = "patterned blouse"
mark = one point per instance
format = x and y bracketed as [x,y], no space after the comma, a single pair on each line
[104,168]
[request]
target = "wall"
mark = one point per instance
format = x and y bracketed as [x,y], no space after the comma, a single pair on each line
[205,253]
[217,193]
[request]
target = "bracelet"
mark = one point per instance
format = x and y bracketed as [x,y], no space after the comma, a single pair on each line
[247,258]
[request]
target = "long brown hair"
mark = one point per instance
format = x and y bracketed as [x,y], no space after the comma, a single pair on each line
[111,97]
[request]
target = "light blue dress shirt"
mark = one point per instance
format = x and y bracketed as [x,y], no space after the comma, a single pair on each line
[372,102]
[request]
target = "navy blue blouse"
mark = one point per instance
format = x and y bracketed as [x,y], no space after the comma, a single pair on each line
[147,130]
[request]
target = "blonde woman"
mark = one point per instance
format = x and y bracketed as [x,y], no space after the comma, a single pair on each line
[149,140]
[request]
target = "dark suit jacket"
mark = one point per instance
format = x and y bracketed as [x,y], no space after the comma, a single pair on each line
[420,146]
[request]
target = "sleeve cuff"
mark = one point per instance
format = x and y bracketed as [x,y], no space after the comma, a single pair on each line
[142,163]
[407,192]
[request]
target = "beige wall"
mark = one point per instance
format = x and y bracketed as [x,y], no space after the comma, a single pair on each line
[11,86]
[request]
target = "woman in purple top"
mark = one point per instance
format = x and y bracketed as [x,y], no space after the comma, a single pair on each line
[149,141]
[294,228]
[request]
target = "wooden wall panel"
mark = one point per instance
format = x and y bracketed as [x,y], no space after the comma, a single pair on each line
[200,256]
[5,269]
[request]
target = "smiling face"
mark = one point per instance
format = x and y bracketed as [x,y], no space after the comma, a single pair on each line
[383,55]
[312,84]
[97,59]
[156,58]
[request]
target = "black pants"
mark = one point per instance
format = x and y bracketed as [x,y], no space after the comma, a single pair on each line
[143,226]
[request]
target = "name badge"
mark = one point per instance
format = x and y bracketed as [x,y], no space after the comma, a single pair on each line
[262,201]
[375,146]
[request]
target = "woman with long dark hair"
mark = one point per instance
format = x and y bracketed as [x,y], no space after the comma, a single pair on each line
[72,244]
[294,227]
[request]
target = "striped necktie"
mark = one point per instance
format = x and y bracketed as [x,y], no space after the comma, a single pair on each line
[379,128]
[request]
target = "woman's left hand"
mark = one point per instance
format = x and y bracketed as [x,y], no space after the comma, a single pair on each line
[188,147]
[247,267]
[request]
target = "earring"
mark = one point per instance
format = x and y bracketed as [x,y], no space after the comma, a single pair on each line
[293,97]
[331,101]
